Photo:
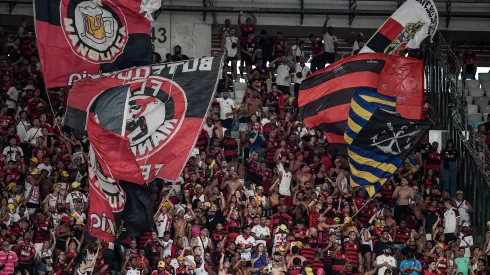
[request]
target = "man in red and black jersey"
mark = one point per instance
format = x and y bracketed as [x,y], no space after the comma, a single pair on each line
[339,258]
[230,146]
[317,51]
[41,225]
[26,253]
[351,249]
[260,72]
[248,27]
[280,46]
[401,235]
[249,50]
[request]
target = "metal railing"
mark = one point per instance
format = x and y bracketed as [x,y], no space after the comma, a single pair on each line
[444,91]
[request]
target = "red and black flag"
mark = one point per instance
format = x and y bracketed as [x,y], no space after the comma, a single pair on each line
[80,38]
[142,124]
[325,96]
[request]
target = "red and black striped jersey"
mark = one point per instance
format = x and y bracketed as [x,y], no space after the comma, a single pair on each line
[351,249]
[401,235]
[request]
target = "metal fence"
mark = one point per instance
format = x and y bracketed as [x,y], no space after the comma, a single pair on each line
[447,94]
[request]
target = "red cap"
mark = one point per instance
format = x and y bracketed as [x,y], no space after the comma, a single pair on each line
[65,219]
[299,153]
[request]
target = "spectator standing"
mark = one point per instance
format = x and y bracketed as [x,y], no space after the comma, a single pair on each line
[317,53]
[330,42]
[227,110]
[450,163]
[410,266]
[8,259]
[302,71]
[385,261]
[461,262]
[283,78]
[451,221]
[230,45]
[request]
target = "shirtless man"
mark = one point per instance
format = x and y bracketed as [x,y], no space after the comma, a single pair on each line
[390,222]
[253,105]
[180,224]
[303,175]
[278,265]
[402,194]
[295,166]
[417,209]
[294,255]
[232,184]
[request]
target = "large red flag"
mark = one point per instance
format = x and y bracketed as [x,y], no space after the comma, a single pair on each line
[114,148]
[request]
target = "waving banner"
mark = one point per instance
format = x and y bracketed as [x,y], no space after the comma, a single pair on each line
[155,113]
[411,23]
[325,96]
[79,38]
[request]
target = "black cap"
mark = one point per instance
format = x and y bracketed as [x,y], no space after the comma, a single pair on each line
[388,270]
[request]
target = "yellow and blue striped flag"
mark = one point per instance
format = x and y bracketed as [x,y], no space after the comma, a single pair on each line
[378,139]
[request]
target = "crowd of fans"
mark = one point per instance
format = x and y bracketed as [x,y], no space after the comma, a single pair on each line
[276,202]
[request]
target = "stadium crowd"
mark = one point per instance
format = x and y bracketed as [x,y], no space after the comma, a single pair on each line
[276,202]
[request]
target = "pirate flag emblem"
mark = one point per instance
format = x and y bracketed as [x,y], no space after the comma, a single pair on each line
[390,135]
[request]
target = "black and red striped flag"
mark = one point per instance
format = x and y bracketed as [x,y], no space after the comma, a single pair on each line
[325,96]
[80,38]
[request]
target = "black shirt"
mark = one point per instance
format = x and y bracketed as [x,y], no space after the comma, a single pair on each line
[179,58]
[449,154]
[430,219]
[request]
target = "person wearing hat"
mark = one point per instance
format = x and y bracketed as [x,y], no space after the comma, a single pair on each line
[278,266]
[466,237]
[160,269]
[464,207]
[75,199]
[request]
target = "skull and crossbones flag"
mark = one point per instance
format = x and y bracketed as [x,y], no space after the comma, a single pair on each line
[379,139]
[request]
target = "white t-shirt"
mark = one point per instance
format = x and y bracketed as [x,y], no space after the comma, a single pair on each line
[13,93]
[382,259]
[10,152]
[163,223]
[245,252]
[22,128]
[328,41]
[32,134]
[450,221]
[229,49]
[468,242]
[53,200]
[226,106]
[282,78]
[132,271]
[297,51]
[285,184]
[35,193]
[168,248]
[304,71]
[43,166]
[75,199]
[260,231]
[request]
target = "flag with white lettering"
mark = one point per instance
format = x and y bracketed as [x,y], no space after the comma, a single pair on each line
[155,112]
[79,38]
[411,23]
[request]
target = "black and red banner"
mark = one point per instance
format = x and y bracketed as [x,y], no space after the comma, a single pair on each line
[80,38]
[142,124]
